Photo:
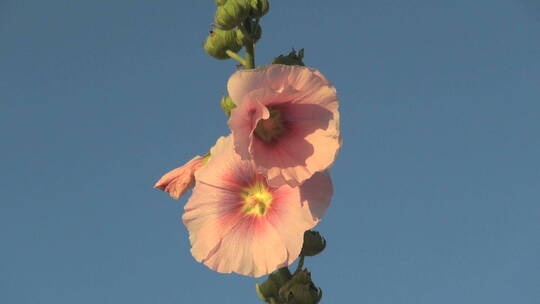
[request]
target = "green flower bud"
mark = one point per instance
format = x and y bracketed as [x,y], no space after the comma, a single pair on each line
[255,36]
[227,105]
[314,243]
[219,41]
[231,14]
[291,59]
[220,2]
[300,290]
[259,8]
[269,289]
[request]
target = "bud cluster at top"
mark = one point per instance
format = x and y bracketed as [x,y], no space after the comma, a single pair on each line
[235,26]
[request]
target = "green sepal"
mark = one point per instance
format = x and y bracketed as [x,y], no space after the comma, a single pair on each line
[269,289]
[227,104]
[300,290]
[291,59]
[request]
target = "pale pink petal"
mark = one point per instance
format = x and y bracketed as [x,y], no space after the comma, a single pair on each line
[275,77]
[180,180]
[245,123]
[252,248]
[316,193]
[291,219]
[308,105]
[227,239]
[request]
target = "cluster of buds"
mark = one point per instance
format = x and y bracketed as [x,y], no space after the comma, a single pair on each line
[282,287]
[230,13]
[234,26]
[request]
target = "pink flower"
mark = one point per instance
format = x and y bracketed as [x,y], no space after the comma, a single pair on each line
[286,120]
[238,223]
[180,180]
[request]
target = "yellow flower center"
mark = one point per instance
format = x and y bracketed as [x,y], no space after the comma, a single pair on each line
[271,128]
[257,199]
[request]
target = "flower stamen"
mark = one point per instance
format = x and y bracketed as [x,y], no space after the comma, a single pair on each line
[269,129]
[257,199]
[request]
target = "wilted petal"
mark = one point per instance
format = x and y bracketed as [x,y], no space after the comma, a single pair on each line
[180,180]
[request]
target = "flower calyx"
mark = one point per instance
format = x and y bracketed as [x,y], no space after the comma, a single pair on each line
[292,58]
[227,104]
[268,290]
[300,290]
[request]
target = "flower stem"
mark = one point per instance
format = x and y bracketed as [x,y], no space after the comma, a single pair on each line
[248,28]
[300,265]
[250,56]
[236,57]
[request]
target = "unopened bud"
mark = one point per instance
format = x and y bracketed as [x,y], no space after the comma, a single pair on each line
[231,14]
[256,35]
[314,243]
[300,290]
[269,289]
[219,41]
[291,59]
[259,8]
[227,105]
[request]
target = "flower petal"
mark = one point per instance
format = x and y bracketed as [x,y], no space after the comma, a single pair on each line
[308,107]
[226,238]
[180,180]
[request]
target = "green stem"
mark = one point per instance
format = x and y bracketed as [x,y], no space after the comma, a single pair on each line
[300,265]
[250,56]
[247,29]
[236,57]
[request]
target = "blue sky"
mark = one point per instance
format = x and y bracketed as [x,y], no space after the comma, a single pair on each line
[437,186]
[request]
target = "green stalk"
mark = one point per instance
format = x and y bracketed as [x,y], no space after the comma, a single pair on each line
[300,265]
[250,56]
[236,57]
[247,29]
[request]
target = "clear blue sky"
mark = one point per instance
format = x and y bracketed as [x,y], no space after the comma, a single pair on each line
[437,185]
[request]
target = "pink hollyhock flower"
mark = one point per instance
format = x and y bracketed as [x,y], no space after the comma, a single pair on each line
[180,180]
[286,120]
[238,223]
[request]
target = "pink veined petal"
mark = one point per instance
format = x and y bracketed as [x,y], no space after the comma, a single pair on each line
[275,77]
[308,104]
[252,248]
[180,180]
[226,239]
[245,123]
[290,219]
[316,193]
[309,146]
